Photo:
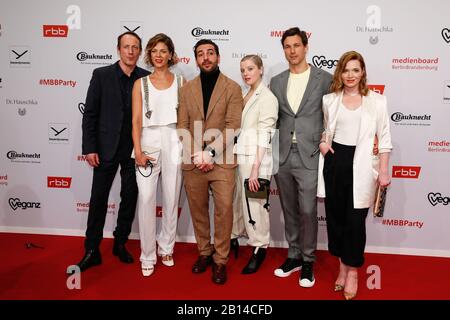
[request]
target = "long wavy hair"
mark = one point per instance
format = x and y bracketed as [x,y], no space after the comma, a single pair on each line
[337,85]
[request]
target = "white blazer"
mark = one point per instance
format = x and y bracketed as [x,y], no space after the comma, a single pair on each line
[374,120]
[258,122]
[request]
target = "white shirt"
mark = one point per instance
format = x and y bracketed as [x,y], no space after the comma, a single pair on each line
[162,103]
[347,126]
[296,89]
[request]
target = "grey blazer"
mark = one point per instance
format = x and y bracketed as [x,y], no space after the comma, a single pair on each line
[307,122]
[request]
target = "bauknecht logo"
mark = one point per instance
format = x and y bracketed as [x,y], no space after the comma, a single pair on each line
[200,32]
[93,58]
[399,117]
[437,198]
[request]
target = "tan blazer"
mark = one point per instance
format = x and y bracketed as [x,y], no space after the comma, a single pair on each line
[217,128]
[374,120]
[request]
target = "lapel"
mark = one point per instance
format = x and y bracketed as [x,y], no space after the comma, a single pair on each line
[313,81]
[333,112]
[366,116]
[252,101]
[284,78]
[116,90]
[219,89]
[196,90]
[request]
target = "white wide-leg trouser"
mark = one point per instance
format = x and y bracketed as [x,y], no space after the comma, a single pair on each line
[168,168]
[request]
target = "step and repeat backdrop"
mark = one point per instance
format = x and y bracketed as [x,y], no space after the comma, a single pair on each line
[48,50]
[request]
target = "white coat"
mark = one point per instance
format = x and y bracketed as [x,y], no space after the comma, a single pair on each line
[374,121]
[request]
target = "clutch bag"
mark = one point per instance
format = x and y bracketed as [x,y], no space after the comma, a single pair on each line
[380,201]
[263,191]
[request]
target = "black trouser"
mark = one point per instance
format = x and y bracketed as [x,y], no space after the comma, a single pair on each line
[101,185]
[346,226]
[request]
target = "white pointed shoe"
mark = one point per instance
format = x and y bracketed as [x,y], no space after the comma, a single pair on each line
[167,260]
[147,270]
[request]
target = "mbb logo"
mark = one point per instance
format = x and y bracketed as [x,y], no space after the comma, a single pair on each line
[378,88]
[55,31]
[405,172]
[59,182]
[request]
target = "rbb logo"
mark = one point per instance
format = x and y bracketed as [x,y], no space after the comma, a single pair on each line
[60,31]
[378,88]
[59,182]
[405,172]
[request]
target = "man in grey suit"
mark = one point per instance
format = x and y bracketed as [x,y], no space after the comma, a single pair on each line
[299,91]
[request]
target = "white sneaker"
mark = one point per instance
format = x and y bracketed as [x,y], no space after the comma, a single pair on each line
[288,267]
[307,279]
[147,270]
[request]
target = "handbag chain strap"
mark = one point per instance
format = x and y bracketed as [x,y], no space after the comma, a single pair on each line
[148,114]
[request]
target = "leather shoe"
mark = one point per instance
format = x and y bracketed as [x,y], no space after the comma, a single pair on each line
[255,261]
[122,252]
[234,246]
[201,264]
[91,258]
[219,273]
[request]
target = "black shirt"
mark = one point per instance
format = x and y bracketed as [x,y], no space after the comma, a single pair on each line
[208,83]
[126,87]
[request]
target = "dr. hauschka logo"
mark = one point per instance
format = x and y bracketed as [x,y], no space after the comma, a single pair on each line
[92,58]
[21,102]
[323,62]
[438,198]
[417,63]
[58,132]
[439,146]
[373,24]
[213,34]
[22,111]
[55,31]
[446,91]
[378,88]
[52,82]
[133,26]
[81,107]
[445,33]
[405,172]
[84,207]
[59,182]
[411,119]
[279,33]
[20,56]
[16,203]
[4,180]
[240,55]
[15,156]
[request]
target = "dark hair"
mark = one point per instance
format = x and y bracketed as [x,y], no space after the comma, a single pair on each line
[131,34]
[205,41]
[337,85]
[160,37]
[295,31]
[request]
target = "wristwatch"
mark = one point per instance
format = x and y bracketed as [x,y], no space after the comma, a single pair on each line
[211,151]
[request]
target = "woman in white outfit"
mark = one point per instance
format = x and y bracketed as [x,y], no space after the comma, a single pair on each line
[157,152]
[254,152]
[353,117]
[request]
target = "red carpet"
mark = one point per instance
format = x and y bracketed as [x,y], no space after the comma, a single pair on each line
[33,273]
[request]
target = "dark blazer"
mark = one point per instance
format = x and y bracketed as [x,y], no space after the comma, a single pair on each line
[307,122]
[103,112]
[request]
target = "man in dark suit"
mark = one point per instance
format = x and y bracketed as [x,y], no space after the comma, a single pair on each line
[107,144]
[299,91]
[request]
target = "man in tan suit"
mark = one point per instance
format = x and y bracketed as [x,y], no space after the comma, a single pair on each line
[209,116]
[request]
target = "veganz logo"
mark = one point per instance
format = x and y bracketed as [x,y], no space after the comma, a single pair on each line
[405,172]
[435,198]
[58,31]
[59,182]
[15,203]
[321,61]
[446,35]
[81,107]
